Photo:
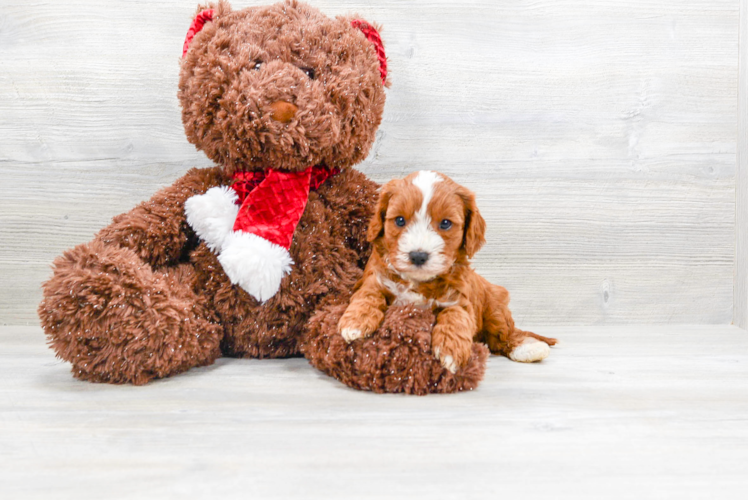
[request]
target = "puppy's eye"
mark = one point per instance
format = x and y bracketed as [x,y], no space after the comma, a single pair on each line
[445,224]
[399,221]
[258,65]
[308,72]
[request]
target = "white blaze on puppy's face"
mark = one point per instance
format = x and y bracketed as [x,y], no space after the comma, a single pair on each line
[422,229]
[420,236]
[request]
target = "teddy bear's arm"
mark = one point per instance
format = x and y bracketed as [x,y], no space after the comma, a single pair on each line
[157,229]
[353,196]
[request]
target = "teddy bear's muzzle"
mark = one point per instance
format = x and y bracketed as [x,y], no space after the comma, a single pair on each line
[282,111]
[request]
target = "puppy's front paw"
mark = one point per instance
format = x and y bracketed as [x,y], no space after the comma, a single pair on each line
[446,360]
[351,334]
[357,322]
[452,350]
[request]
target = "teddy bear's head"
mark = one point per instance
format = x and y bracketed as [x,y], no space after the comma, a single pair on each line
[281,86]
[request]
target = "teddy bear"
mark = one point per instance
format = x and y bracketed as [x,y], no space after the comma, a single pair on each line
[255,256]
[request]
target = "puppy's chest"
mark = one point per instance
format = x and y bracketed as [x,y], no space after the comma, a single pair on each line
[409,293]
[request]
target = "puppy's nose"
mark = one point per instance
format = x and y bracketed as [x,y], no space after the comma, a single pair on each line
[418,258]
[282,111]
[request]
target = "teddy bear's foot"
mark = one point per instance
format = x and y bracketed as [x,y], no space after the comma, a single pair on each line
[116,320]
[396,358]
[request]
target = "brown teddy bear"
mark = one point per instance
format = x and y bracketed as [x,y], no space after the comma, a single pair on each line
[256,256]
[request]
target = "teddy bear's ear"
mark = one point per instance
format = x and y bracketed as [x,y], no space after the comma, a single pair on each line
[205,14]
[372,34]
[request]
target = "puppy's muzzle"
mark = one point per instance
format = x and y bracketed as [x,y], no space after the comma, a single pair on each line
[418,258]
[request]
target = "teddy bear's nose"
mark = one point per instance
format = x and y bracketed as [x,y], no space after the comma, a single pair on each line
[282,111]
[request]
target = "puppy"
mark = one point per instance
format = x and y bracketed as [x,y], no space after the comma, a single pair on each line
[425,229]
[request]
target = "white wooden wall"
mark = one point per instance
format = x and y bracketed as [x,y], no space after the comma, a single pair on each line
[740,299]
[600,136]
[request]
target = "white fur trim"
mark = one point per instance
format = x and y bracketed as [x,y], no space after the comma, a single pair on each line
[255,264]
[252,262]
[212,215]
[530,350]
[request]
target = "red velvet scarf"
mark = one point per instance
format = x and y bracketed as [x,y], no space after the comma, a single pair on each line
[272,202]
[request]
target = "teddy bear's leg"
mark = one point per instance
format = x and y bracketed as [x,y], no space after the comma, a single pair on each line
[118,320]
[396,358]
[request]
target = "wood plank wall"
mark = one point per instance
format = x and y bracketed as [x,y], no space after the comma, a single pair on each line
[740,316]
[599,135]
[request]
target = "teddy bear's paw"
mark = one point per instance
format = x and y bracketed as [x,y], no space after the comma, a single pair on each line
[255,264]
[529,351]
[212,215]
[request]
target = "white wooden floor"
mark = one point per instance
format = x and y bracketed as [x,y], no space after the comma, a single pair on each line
[615,412]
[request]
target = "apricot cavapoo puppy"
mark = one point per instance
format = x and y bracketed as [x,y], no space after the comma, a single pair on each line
[425,229]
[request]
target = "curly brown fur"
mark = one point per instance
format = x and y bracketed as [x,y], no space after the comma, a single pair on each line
[117,320]
[226,98]
[397,358]
[117,311]
[156,229]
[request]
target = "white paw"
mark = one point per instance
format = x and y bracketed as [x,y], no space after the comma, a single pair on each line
[255,264]
[447,361]
[351,334]
[212,215]
[529,351]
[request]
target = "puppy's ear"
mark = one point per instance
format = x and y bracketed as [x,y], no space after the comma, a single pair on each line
[376,226]
[475,225]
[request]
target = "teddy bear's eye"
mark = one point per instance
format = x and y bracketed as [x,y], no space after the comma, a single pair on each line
[258,65]
[400,221]
[445,224]
[308,72]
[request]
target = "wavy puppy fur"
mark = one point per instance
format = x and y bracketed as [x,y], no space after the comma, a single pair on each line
[424,231]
